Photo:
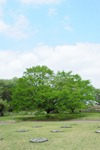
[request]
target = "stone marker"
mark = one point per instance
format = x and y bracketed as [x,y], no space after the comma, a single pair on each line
[66,126]
[23,130]
[97,131]
[56,131]
[1,138]
[38,140]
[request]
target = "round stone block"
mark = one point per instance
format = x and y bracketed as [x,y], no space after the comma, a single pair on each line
[39,140]
[56,131]
[97,131]
[1,138]
[66,126]
[22,130]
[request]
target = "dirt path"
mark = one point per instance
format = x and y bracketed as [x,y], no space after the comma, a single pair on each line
[7,122]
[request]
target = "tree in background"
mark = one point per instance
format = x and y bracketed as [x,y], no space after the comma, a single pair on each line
[6,87]
[97,95]
[3,106]
[73,92]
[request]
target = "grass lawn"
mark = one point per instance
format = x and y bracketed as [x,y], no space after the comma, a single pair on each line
[81,136]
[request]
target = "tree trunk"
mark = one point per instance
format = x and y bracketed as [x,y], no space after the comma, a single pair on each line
[49,110]
[1,110]
[1,113]
[73,110]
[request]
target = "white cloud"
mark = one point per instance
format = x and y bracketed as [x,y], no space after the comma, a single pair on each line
[16,30]
[3,26]
[1,11]
[66,23]
[68,27]
[39,1]
[82,58]
[51,12]
[12,63]
[3,2]
[67,18]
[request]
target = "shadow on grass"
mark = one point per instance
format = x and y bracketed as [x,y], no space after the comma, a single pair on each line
[50,117]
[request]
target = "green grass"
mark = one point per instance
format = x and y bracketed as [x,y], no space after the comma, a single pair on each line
[91,116]
[81,136]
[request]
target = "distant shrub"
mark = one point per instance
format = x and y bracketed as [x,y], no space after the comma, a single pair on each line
[3,106]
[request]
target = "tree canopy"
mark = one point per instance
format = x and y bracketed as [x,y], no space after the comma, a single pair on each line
[40,87]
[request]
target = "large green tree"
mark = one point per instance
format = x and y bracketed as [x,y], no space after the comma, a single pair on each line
[40,88]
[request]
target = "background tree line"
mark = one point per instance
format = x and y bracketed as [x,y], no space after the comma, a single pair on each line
[41,88]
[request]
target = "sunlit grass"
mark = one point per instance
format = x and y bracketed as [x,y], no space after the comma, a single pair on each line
[81,136]
[91,116]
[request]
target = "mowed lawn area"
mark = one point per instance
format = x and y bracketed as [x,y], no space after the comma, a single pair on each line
[81,135]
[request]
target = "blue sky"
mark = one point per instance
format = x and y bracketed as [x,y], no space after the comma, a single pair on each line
[62,34]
